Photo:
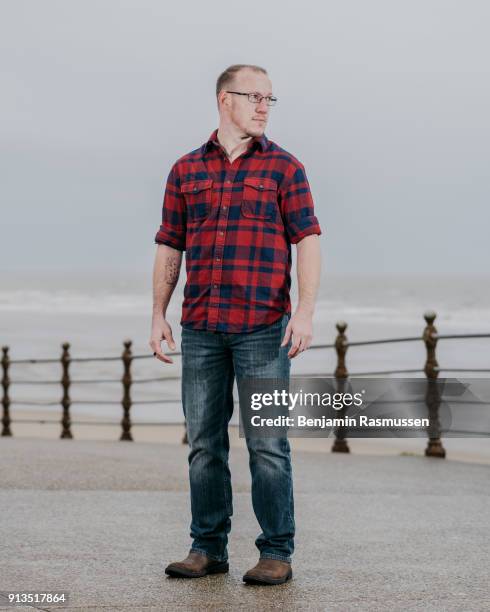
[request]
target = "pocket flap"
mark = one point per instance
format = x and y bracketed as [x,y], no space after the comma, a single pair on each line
[261,184]
[195,186]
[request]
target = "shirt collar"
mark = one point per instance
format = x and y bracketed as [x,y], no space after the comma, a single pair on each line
[259,141]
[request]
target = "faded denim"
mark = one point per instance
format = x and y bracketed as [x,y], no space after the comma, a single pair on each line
[210,363]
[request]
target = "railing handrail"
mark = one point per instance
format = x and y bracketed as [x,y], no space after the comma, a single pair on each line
[347,344]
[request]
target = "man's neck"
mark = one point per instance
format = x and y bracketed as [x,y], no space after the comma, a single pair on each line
[233,141]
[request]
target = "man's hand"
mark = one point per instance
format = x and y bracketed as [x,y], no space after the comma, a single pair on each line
[161,330]
[301,327]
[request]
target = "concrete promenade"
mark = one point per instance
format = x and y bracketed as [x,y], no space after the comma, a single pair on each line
[101,520]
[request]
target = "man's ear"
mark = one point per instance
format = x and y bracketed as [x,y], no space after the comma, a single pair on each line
[222,98]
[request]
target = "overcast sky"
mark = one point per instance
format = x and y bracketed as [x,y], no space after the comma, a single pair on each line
[385,102]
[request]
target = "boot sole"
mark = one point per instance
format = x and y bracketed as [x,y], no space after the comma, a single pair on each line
[176,572]
[267,581]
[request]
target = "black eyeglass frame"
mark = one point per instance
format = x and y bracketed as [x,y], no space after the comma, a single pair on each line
[270,100]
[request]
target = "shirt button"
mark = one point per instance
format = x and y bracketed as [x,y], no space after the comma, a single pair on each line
[228,181]
[195,188]
[221,233]
[215,286]
[261,186]
[217,258]
[225,207]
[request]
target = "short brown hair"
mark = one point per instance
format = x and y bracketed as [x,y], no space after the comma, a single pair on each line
[226,77]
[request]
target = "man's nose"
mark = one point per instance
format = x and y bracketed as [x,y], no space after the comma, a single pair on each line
[262,106]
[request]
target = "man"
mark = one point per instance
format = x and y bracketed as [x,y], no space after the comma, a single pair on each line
[235,205]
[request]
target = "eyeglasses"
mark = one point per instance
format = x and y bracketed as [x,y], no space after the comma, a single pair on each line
[256,98]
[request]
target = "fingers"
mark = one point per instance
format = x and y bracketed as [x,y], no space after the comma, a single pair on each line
[287,335]
[294,350]
[162,357]
[169,338]
[156,346]
[161,331]
[300,344]
[306,342]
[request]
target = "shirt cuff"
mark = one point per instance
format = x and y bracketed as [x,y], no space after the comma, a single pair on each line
[302,227]
[171,239]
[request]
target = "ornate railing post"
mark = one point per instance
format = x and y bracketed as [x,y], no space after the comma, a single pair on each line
[127,358]
[65,383]
[5,399]
[434,446]
[341,374]
[341,346]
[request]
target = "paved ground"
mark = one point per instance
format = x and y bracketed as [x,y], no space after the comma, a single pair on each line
[102,519]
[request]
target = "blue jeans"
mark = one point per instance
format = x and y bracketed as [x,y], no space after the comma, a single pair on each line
[210,362]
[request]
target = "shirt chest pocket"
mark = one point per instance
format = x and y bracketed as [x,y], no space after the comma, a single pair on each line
[197,196]
[259,198]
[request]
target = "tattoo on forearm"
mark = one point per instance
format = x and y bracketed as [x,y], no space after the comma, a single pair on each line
[171,272]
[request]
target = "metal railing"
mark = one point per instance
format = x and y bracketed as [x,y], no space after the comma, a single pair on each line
[431,369]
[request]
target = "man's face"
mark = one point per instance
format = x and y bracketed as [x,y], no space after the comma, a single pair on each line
[250,118]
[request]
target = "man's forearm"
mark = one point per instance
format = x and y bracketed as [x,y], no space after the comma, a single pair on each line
[166,273]
[308,269]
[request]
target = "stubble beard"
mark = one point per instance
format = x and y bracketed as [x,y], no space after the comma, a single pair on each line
[253,134]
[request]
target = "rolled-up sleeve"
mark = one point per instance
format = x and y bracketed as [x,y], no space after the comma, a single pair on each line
[297,206]
[172,231]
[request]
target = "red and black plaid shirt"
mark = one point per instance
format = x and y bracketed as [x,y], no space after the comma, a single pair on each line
[236,223]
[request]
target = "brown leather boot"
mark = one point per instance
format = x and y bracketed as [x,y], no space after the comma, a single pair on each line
[269,571]
[196,565]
